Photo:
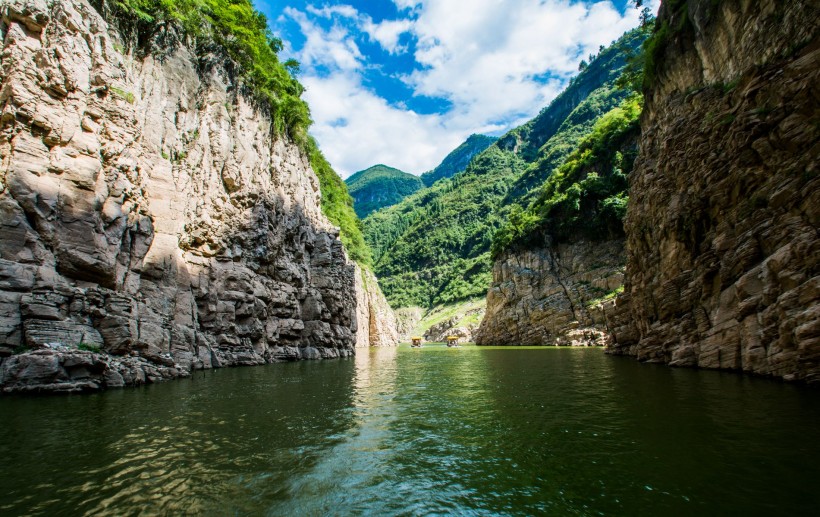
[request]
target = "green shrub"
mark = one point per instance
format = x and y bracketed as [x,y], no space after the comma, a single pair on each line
[88,347]
[126,96]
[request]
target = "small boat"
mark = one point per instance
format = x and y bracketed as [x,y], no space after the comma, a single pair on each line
[452,341]
[416,342]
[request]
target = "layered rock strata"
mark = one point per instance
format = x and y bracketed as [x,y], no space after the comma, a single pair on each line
[722,225]
[148,211]
[407,318]
[553,295]
[462,325]
[377,325]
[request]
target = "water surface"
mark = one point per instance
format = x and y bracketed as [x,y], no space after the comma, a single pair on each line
[467,431]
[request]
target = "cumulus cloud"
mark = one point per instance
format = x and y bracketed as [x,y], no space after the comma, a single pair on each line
[484,59]
[334,48]
[387,33]
[488,59]
[356,128]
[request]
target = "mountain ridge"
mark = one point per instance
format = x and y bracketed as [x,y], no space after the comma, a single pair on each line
[432,248]
[380,186]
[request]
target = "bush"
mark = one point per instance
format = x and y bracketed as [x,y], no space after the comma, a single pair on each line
[88,347]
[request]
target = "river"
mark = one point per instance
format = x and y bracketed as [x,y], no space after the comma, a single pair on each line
[466,431]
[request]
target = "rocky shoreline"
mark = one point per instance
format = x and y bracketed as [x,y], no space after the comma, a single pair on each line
[61,369]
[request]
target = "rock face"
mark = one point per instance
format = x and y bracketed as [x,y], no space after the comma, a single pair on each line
[724,209]
[463,324]
[148,210]
[377,324]
[553,295]
[406,320]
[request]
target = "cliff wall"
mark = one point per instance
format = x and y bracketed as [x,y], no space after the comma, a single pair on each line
[148,211]
[552,295]
[376,321]
[722,224]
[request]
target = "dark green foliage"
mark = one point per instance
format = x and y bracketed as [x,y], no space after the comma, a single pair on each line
[587,195]
[575,127]
[237,29]
[434,247]
[337,205]
[458,159]
[380,186]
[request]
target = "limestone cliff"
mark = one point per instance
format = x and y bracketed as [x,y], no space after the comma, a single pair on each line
[406,320]
[722,225]
[377,325]
[552,295]
[149,211]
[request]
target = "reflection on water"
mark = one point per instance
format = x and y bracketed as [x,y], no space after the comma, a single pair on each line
[435,430]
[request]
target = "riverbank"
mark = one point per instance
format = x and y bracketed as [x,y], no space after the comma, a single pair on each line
[61,369]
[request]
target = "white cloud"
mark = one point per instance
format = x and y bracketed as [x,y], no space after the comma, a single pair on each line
[481,57]
[484,58]
[334,48]
[327,11]
[387,33]
[357,129]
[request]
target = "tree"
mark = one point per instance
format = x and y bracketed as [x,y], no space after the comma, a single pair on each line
[647,18]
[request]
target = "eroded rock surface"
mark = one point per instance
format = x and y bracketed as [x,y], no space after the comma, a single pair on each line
[724,208]
[147,209]
[552,296]
[406,320]
[377,325]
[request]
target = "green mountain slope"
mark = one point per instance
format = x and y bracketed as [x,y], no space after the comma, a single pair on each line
[458,159]
[380,186]
[587,195]
[434,247]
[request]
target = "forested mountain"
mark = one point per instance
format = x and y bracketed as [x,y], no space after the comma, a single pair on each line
[380,186]
[458,159]
[434,246]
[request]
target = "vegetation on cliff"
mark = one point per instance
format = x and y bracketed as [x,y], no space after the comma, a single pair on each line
[433,248]
[337,205]
[586,196]
[380,186]
[240,32]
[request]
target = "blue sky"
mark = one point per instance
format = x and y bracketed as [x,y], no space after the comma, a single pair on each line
[403,82]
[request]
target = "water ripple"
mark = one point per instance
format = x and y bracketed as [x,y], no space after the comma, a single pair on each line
[420,432]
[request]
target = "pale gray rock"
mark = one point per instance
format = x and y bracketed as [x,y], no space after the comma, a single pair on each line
[552,296]
[149,210]
[375,320]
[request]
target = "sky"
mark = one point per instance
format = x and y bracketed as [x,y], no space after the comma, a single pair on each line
[404,82]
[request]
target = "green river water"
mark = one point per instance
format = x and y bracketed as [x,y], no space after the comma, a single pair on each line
[466,431]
